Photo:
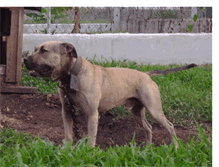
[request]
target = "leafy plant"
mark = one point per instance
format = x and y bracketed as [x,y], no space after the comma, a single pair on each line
[56,13]
[190,26]
[38,17]
[45,31]
[59,12]
[195,17]
[203,9]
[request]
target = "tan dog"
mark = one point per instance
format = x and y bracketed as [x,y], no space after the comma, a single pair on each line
[93,88]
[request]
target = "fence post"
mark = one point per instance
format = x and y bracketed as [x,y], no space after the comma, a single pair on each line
[48,20]
[116,19]
[193,11]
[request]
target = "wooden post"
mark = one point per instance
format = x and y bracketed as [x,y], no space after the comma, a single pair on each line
[10,74]
[14,46]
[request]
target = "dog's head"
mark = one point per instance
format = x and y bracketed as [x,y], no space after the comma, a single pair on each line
[51,59]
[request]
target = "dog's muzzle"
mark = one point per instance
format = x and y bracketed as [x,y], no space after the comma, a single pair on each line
[36,70]
[28,61]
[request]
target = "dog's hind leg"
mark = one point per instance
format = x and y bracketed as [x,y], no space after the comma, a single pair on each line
[150,97]
[138,112]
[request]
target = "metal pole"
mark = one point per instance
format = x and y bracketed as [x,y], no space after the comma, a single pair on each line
[48,20]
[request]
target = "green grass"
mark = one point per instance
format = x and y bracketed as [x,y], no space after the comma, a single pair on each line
[43,85]
[19,149]
[186,95]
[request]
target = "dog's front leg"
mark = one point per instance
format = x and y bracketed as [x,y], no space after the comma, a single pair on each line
[66,116]
[68,123]
[92,127]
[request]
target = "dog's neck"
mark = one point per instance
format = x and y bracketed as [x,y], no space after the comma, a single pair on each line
[73,71]
[76,67]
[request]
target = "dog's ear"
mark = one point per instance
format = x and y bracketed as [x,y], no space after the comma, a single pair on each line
[67,48]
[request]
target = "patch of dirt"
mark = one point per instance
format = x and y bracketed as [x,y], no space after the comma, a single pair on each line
[40,115]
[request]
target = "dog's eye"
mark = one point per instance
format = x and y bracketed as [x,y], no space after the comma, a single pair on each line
[42,50]
[36,48]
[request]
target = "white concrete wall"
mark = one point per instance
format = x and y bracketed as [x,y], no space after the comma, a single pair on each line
[142,48]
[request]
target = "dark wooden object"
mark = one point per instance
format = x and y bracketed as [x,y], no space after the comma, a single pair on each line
[11,40]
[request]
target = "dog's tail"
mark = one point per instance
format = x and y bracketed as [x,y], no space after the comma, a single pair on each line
[165,72]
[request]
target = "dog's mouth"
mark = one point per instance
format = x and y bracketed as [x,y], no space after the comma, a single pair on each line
[44,71]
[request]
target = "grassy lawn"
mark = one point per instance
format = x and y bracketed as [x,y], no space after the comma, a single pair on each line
[186,98]
[18,149]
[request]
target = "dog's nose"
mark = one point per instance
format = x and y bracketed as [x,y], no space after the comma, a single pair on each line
[25,60]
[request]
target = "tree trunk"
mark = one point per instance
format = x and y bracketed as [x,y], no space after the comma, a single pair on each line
[77,25]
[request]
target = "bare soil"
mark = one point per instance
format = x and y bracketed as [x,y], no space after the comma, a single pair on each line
[40,115]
